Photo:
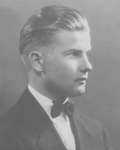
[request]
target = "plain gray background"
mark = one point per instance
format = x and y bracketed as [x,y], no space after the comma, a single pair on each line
[102,100]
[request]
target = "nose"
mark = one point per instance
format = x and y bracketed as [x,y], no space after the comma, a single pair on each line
[87,66]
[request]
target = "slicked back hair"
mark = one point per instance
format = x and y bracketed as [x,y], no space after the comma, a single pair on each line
[41,27]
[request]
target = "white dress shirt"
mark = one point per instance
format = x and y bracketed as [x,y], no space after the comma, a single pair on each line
[61,123]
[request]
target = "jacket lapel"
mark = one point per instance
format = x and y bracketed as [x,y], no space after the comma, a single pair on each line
[38,123]
[50,140]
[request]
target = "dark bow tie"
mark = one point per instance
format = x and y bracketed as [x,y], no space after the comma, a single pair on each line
[67,108]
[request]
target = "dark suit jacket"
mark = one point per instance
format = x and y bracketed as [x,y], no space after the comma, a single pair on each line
[27,127]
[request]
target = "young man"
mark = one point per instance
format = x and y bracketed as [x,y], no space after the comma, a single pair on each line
[54,44]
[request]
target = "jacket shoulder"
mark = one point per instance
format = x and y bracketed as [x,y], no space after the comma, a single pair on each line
[94,131]
[91,125]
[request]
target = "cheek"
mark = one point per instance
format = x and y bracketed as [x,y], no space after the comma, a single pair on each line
[72,65]
[62,70]
[66,70]
[55,69]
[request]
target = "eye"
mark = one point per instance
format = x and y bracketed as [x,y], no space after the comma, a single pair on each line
[73,53]
[76,53]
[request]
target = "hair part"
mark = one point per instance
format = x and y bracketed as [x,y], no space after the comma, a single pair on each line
[40,29]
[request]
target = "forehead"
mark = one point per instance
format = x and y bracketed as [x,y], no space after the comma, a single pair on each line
[79,40]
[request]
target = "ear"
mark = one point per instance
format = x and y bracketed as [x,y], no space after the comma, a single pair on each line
[36,60]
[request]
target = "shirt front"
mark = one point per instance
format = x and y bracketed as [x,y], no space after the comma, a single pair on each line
[61,123]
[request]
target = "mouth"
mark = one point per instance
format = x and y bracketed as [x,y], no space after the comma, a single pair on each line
[81,80]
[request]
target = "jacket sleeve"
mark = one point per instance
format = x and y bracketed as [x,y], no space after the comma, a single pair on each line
[106,140]
[9,143]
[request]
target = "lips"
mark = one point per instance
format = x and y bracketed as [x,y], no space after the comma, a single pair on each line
[81,80]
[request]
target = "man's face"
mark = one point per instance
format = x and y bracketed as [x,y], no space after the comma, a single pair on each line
[67,66]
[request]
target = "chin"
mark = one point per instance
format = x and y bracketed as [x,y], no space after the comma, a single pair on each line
[81,91]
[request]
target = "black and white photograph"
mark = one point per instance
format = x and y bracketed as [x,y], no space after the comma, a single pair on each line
[59,75]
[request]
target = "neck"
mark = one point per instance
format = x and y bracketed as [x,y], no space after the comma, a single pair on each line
[46,89]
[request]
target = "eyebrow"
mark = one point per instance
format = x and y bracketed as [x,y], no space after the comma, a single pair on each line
[71,50]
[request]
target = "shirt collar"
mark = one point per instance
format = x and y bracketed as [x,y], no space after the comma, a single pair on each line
[44,101]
